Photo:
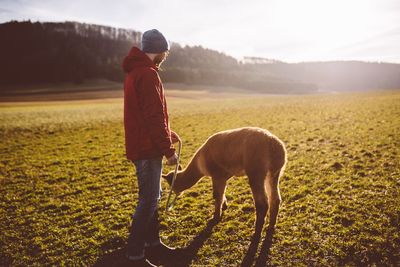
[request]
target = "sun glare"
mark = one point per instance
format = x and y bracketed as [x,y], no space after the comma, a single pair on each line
[325,25]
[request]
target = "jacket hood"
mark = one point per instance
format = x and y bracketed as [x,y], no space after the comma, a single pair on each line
[136,59]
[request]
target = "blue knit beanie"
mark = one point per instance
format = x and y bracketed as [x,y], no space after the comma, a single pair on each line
[154,42]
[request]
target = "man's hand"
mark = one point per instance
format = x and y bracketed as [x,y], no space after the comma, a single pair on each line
[174,137]
[172,160]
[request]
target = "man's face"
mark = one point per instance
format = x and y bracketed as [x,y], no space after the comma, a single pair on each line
[159,59]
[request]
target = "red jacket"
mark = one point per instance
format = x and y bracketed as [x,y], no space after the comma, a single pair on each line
[147,132]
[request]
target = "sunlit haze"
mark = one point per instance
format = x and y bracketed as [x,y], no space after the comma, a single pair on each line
[288,30]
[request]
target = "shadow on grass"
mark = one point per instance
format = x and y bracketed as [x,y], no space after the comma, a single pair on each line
[112,259]
[185,256]
[262,258]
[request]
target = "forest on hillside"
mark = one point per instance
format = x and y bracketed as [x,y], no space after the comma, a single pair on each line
[47,52]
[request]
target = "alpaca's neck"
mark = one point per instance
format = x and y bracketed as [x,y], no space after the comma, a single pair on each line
[188,177]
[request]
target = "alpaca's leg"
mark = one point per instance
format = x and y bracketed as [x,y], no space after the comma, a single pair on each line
[274,197]
[260,200]
[219,186]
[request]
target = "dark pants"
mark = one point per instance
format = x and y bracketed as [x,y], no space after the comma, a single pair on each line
[145,224]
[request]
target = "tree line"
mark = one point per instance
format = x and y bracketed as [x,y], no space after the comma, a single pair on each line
[44,52]
[61,52]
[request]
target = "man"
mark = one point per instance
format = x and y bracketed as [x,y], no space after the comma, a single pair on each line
[148,139]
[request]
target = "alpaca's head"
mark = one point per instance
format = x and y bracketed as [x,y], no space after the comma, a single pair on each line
[168,177]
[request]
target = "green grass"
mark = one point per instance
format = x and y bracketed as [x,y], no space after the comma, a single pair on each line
[67,192]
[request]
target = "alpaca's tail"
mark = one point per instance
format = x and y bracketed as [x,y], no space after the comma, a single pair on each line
[278,156]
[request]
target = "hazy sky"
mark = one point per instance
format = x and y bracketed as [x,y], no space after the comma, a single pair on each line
[289,30]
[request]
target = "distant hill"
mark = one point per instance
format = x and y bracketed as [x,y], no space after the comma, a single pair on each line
[45,52]
[339,75]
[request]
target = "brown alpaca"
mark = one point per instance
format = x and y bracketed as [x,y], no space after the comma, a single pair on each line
[250,151]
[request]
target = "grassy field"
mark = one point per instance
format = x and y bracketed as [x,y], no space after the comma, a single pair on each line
[67,192]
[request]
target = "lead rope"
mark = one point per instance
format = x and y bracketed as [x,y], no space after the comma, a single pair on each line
[170,204]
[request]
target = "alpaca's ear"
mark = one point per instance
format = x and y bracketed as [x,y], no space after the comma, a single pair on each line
[180,167]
